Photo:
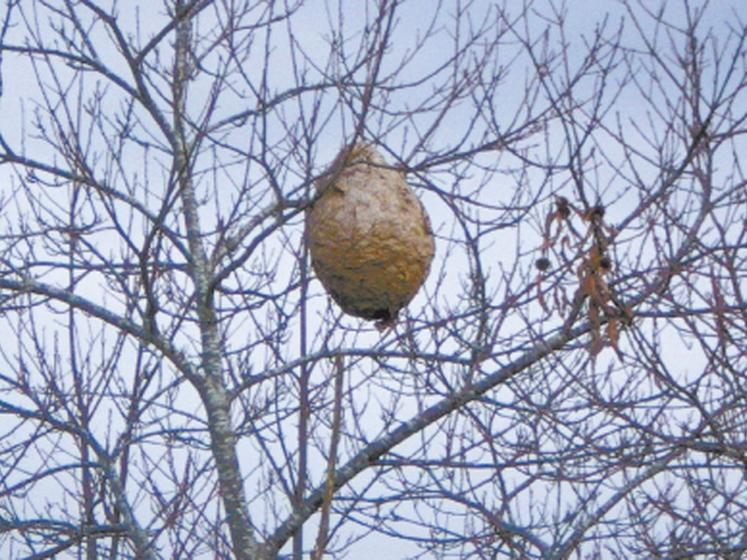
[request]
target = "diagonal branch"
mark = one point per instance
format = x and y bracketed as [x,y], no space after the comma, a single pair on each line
[141,541]
[371,453]
[29,285]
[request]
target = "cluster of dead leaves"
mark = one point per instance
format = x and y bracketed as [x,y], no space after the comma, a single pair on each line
[605,313]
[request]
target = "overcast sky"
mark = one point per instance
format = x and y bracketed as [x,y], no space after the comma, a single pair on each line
[21,90]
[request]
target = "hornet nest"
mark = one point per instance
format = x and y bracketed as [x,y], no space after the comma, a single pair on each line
[369,237]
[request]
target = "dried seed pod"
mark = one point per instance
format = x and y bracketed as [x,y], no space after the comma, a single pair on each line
[595,213]
[369,237]
[542,264]
[563,207]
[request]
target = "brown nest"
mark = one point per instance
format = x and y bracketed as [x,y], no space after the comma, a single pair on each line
[370,239]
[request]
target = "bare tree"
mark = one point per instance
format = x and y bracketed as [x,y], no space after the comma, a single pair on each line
[571,380]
